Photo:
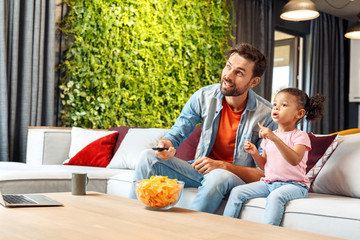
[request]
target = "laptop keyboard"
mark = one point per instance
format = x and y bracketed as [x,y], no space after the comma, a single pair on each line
[18,199]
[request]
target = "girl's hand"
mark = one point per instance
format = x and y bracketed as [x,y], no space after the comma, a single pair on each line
[250,148]
[266,132]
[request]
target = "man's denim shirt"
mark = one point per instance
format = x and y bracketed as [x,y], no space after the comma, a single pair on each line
[205,106]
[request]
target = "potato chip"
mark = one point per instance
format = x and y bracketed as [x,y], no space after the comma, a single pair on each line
[158,191]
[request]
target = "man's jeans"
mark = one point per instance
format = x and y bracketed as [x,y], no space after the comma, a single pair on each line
[212,187]
[277,193]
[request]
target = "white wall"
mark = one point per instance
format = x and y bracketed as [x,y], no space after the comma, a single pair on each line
[354,92]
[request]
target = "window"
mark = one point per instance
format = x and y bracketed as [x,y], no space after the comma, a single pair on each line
[287,63]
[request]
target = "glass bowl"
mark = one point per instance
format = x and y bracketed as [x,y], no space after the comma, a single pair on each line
[158,195]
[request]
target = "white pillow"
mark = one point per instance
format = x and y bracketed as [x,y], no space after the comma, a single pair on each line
[340,175]
[136,140]
[80,138]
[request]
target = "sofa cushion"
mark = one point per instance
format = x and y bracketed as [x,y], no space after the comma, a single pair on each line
[187,149]
[313,172]
[47,145]
[96,154]
[319,213]
[347,131]
[91,147]
[319,145]
[340,175]
[135,141]
[81,137]
[122,130]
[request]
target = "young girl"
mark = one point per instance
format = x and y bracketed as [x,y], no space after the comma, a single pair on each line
[285,152]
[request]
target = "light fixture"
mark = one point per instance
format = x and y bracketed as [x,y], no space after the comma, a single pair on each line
[353,32]
[299,10]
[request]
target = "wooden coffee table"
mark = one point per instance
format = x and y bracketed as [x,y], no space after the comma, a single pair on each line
[102,216]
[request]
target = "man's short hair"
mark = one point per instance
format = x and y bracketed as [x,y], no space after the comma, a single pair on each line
[253,54]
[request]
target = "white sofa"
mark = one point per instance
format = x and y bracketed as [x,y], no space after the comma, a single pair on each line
[332,208]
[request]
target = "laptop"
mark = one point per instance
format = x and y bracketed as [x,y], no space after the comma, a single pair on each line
[27,200]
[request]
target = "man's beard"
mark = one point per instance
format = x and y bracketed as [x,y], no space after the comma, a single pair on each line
[235,91]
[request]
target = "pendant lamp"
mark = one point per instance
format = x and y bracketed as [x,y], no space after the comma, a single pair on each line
[353,32]
[299,10]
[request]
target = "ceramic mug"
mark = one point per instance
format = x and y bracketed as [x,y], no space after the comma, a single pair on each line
[79,182]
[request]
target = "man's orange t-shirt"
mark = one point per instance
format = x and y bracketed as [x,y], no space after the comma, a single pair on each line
[224,145]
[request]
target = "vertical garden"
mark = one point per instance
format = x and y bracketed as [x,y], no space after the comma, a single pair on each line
[136,62]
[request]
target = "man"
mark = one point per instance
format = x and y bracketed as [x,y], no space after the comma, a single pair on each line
[229,114]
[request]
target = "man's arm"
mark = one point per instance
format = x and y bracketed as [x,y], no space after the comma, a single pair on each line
[185,124]
[247,174]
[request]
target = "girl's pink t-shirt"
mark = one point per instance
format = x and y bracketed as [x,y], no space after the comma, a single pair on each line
[277,168]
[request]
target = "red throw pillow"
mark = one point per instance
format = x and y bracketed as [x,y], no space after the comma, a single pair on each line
[318,148]
[96,154]
[187,149]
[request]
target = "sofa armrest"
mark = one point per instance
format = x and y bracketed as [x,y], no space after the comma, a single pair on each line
[47,145]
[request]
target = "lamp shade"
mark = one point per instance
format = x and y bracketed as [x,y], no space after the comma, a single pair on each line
[353,32]
[299,10]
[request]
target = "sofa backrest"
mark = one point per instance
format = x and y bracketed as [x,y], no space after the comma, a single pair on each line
[47,145]
[51,145]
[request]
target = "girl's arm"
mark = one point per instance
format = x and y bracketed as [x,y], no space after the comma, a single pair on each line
[293,156]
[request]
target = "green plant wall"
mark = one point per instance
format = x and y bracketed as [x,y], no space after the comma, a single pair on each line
[136,62]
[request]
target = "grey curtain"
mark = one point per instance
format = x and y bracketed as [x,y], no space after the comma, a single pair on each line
[328,70]
[27,72]
[255,24]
